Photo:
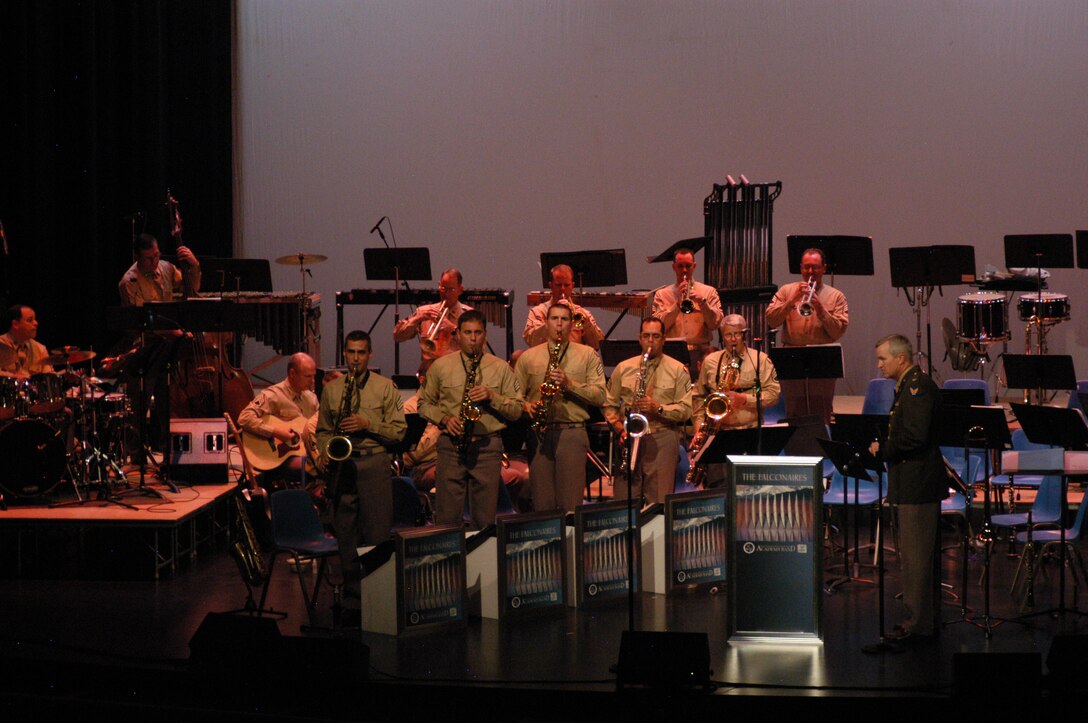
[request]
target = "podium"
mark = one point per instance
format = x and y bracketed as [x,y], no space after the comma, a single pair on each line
[775,565]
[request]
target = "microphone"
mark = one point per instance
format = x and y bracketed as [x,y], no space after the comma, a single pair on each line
[379,223]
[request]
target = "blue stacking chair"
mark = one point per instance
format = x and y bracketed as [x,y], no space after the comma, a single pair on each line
[776,412]
[1051,538]
[879,396]
[868,495]
[1046,508]
[1074,400]
[296,529]
[1020,443]
[970,384]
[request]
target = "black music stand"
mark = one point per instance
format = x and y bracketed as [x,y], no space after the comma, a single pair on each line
[845,255]
[857,431]
[1060,427]
[1054,250]
[728,442]
[696,244]
[918,270]
[985,428]
[747,295]
[234,275]
[591,268]
[1082,249]
[963,397]
[1039,372]
[396,265]
[820,361]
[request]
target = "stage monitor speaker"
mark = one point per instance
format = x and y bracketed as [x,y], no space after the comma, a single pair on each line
[236,647]
[1010,677]
[663,660]
[198,450]
[1065,662]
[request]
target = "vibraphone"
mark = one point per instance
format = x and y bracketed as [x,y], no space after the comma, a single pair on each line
[288,321]
[622,301]
[496,305]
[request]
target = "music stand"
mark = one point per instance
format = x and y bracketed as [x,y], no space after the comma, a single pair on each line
[237,274]
[1082,249]
[396,265]
[1060,427]
[747,295]
[845,255]
[963,397]
[606,268]
[818,361]
[1039,372]
[985,428]
[857,431]
[921,269]
[696,244]
[727,442]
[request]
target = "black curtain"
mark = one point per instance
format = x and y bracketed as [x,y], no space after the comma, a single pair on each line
[107,104]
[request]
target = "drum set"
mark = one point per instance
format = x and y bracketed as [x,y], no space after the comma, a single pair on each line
[62,424]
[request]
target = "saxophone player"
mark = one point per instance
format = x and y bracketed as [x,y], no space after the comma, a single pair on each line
[735,372]
[470,396]
[561,379]
[666,404]
[360,486]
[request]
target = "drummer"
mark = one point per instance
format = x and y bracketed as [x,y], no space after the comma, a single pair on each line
[20,354]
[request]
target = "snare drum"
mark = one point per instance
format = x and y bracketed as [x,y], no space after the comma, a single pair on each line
[1047,307]
[984,316]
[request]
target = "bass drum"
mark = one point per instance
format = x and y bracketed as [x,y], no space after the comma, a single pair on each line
[33,454]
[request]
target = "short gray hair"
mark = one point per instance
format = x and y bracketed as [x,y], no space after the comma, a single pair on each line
[897,344]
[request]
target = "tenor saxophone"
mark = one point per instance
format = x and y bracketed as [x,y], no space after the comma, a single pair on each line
[338,448]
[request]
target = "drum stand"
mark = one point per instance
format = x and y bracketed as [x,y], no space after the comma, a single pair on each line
[95,459]
[918,299]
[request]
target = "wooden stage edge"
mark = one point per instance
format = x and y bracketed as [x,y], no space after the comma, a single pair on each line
[98,537]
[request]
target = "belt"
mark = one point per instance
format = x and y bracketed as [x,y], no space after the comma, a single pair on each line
[473,438]
[368,452]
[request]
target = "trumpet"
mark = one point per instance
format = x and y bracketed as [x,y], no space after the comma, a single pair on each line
[687,306]
[805,308]
[428,345]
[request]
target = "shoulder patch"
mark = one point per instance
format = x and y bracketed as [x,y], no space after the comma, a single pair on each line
[914,391]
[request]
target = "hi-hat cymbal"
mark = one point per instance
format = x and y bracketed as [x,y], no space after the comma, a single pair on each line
[68,355]
[301,259]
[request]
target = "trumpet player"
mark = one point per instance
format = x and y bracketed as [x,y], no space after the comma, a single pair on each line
[584,328]
[561,380]
[435,324]
[470,396]
[359,486]
[737,373]
[809,312]
[665,402]
[689,309]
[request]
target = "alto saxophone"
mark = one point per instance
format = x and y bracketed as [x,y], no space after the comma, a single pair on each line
[549,390]
[716,407]
[470,411]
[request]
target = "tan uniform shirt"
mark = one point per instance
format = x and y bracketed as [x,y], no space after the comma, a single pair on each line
[444,388]
[668,384]
[136,288]
[27,357]
[378,401]
[536,333]
[279,401]
[742,417]
[798,330]
[582,366]
[694,328]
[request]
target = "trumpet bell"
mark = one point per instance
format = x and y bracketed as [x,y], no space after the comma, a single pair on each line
[687,306]
[805,310]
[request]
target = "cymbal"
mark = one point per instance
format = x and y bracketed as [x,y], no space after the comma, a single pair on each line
[301,259]
[61,357]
